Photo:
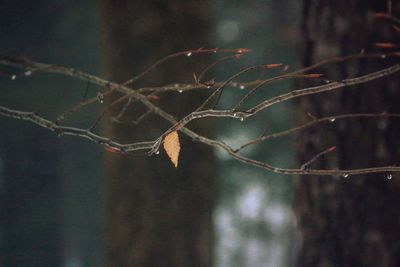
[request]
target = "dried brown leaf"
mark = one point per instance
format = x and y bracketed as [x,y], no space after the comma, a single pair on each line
[172,147]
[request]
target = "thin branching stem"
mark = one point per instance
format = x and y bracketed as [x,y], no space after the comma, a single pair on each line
[182,53]
[63,130]
[81,104]
[153,146]
[314,122]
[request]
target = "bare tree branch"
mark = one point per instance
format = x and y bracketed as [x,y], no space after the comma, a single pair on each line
[153,146]
[315,121]
[62,130]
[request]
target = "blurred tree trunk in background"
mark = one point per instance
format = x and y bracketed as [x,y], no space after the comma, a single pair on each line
[353,221]
[157,215]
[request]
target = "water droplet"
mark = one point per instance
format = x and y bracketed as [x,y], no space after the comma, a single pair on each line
[332,119]
[383,56]
[235,114]
[241,119]
[389,176]
[100,97]
[189,54]
[208,86]
[28,73]
[327,81]
[234,84]
[345,175]
[180,91]
[157,152]
[242,87]
[13,77]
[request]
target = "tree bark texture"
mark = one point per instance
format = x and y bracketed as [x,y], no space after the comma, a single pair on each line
[353,221]
[157,215]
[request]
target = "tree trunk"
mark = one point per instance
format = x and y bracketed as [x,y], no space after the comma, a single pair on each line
[353,221]
[157,215]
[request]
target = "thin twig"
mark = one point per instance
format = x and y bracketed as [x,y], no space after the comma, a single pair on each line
[324,88]
[265,82]
[188,87]
[141,117]
[124,109]
[330,119]
[186,53]
[154,145]
[387,16]
[316,157]
[218,90]
[212,65]
[83,103]
[63,130]
[33,117]
[241,115]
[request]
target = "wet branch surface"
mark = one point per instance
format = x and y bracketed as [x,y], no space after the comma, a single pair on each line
[206,109]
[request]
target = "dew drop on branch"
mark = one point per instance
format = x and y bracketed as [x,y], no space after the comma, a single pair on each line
[157,152]
[332,119]
[242,87]
[13,77]
[180,91]
[28,73]
[100,97]
[188,54]
[389,176]
[345,175]
[242,119]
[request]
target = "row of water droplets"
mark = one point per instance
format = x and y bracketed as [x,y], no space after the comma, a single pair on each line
[389,176]
[26,73]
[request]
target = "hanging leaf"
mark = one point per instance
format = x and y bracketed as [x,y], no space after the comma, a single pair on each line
[172,147]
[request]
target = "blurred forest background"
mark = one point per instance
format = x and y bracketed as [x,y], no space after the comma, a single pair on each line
[66,202]
[52,189]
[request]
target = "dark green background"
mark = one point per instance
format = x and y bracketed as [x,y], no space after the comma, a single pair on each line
[51,188]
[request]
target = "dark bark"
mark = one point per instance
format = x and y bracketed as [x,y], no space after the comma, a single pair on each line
[157,215]
[353,221]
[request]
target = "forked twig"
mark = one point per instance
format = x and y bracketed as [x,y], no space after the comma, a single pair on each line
[316,157]
[185,53]
[330,119]
[153,146]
